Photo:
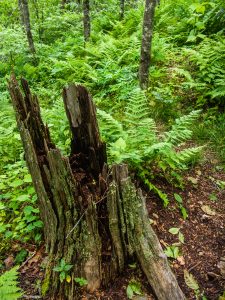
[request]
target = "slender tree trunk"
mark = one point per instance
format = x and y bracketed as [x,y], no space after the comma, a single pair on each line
[94,218]
[25,19]
[122,5]
[86,20]
[147,32]
[63,3]
[38,19]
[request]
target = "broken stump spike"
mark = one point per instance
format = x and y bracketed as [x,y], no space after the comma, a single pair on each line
[81,114]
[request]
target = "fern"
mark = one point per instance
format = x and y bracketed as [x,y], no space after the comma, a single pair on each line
[8,285]
[144,177]
[135,140]
[114,129]
[209,70]
[140,128]
[180,131]
[189,154]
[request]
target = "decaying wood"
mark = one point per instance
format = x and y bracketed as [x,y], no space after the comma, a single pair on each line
[138,237]
[83,123]
[93,216]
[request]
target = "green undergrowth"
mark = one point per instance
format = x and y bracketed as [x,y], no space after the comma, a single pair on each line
[186,75]
[136,141]
[9,289]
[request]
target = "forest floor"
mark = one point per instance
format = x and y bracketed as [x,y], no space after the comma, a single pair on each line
[202,252]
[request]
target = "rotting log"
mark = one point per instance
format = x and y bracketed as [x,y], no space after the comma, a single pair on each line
[93,216]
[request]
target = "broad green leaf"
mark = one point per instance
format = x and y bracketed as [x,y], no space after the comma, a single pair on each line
[57,269]
[68,267]
[16,183]
[169,252]
[181,237]
[23,198]
[130,292]
[81,281]
[178,198]
[27,178]
[172,251]
[2,186]
[184,212]
[213,197]
[136,287]
[28,209]
[175,252]
[62,262]
[2,206]
[20,257]
[62,276]
[38,224]
[174,230]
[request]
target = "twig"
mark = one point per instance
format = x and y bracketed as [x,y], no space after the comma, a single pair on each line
[32,297]
[76,224]
[24,263]
[198,263]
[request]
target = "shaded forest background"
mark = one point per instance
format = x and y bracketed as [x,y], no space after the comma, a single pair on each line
[186,78]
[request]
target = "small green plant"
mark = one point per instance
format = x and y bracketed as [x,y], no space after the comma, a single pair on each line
[133,288]
[222,297]
[176,231]
[172,251]
[220,184]
[133,265]
[183,210]
[81,281]
[19,216]
[63,268]
[193,285]
[9,289]
[21,256]
[213,197]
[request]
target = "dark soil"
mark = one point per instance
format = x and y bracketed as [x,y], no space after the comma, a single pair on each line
[200,254]
[203,230]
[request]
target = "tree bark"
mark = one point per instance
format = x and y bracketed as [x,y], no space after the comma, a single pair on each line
[122,5]
[147,32]
[64,2]
[86,20]
[93,216]
[25,20]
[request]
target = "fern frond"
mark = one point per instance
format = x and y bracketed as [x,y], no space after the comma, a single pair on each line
[140,128]
[8,285]
[111,128]
[137,108]
[153,188]
[183,73]
[180,131]
[189,154]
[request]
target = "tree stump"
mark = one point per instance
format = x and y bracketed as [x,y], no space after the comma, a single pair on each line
[94,218]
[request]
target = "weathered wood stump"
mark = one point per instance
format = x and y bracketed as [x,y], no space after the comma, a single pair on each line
[93,216]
